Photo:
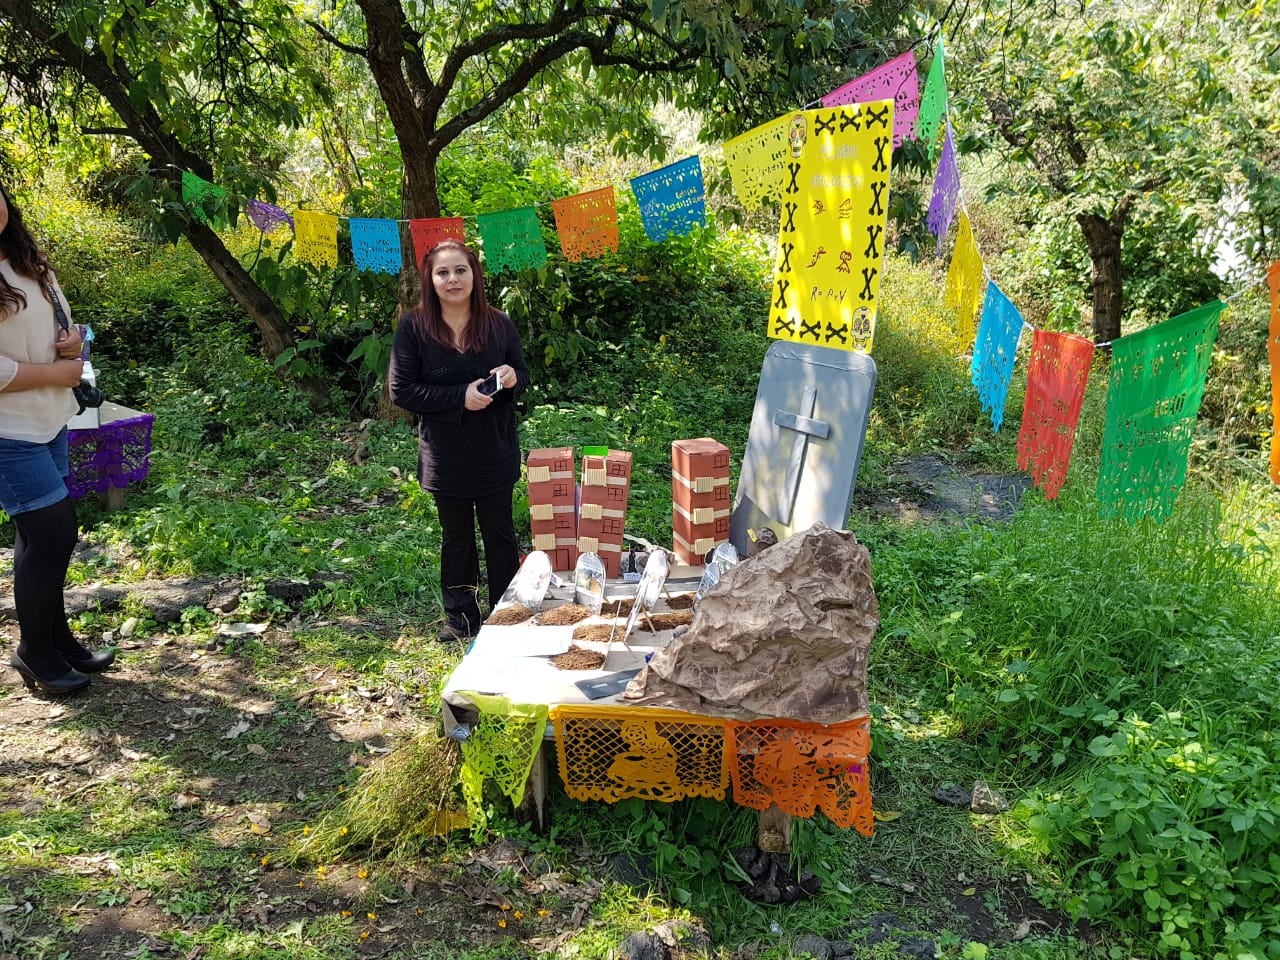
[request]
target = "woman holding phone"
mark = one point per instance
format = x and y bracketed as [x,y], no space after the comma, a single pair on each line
[456,363]
[39,367]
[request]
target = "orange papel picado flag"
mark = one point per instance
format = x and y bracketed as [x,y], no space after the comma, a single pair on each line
[587,223]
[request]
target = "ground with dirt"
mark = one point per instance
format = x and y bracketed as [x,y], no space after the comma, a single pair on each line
[231,744]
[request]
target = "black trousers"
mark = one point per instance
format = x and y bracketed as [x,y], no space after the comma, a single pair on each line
[459,565]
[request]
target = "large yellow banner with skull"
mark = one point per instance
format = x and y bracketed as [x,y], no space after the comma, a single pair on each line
[835,200]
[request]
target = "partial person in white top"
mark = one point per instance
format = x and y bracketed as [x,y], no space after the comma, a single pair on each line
[39,367]
[36,369]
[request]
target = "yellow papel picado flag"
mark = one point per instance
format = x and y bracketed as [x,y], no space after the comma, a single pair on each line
[835,199]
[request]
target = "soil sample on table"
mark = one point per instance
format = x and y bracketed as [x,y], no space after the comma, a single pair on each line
[595,631]
[681,601]
[616,608]
[576,658]
[562,616]
[508,616]
[665,621]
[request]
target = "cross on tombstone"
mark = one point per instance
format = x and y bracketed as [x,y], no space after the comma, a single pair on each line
[806,439]
[805,427]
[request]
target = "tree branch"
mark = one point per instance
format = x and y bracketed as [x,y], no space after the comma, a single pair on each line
[328,37]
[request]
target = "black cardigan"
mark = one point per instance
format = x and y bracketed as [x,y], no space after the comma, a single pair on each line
[461,453]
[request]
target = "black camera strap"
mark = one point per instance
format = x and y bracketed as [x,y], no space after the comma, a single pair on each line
[86,394]
[57,306]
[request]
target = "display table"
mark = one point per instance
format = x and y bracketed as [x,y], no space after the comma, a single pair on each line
[508,703]
[515,661]
[112,456]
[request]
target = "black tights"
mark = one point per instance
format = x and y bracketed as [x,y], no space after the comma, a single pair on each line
[41,552]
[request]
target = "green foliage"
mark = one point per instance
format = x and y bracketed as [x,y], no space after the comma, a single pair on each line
[686,845]
[142,298]
[923,392]
[1165,259]
[1187,832]
[1141,115]
[1053,638]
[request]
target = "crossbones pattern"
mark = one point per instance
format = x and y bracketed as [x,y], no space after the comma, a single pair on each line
[848,120]
[880,116]
[868,276]
[872,250]
[836,333]
[881,143]
[794,170]
[785,266]
[784,326]
[790,210]
[877,198]
[811,329]
[781,302]
[829,125]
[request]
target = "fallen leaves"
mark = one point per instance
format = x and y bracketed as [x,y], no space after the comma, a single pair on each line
[185,799]
[237,729]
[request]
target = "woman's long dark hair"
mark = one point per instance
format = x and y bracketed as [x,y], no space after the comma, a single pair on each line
[24,255]
[482,328]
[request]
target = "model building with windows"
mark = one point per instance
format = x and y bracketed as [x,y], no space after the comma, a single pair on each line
[552,519]
[602,511]
[699,497]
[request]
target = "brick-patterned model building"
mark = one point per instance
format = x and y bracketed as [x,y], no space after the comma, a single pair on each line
[602,513]
[552,520]
[699,497]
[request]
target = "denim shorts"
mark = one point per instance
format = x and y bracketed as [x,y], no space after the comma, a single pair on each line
[32,475]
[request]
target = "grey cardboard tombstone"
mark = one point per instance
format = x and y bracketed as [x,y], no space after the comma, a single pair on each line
[806,439]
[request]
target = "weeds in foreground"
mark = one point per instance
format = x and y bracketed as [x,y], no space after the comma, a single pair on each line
[403,803]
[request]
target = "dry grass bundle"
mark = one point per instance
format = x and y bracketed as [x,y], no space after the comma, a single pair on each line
[665,621]
[576,658]
[594,631]
[402,804]
[617,608]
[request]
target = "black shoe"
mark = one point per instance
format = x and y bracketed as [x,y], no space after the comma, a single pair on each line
[453,632]
[94,662]
[68,683]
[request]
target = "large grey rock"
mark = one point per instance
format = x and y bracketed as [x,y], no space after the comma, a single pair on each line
[815,946]
[986,800]
[683,935]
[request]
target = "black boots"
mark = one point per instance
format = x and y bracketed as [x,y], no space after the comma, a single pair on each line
[68,683]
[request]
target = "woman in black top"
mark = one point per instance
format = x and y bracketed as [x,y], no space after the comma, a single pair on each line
[457,364]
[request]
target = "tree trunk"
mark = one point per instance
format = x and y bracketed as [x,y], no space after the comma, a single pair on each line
[1103,235]
[275,332]
[271,324]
